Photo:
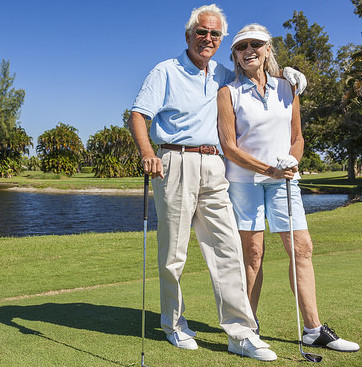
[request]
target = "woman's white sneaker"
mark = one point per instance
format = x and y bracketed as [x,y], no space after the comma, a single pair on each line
[252,347]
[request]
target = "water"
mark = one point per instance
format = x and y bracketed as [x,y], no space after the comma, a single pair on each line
[28,214]
[316,203]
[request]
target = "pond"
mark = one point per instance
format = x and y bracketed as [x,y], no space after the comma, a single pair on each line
[29,213]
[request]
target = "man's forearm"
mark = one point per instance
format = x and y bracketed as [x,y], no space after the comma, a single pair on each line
[151,164]
[137,125]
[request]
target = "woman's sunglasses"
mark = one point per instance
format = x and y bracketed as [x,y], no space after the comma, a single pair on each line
[244,45]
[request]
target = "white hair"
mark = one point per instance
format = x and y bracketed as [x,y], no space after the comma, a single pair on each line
[207,9]
[270,65]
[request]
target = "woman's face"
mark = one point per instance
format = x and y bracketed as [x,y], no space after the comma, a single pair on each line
[251,54]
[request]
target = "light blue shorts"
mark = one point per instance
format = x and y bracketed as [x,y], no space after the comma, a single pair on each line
[253,202]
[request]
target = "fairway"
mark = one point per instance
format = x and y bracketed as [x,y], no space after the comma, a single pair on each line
[77,300]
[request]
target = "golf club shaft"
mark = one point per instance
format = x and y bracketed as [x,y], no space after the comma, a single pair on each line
[289,197]
[308,356]
[145,218]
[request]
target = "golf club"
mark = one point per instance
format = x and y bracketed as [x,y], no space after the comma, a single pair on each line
[145,218]
[308,356]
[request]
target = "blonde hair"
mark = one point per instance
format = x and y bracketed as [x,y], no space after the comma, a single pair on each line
[270,64]
[207,9]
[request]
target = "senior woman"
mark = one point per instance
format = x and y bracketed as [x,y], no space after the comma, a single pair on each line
[260,134]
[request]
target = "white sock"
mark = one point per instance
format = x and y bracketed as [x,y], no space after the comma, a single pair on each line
[312,331]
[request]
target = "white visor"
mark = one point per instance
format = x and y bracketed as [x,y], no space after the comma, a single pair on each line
[257,35]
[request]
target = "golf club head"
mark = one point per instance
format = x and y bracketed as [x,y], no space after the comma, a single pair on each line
[143,361]
[310,357]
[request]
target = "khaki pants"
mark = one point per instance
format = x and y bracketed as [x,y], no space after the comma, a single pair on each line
[194,191]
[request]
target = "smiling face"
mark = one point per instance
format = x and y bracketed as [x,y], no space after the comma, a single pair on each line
[252,58]
[202,48]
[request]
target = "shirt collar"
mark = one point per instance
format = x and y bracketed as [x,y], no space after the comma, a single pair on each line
[185,61]
[247,84]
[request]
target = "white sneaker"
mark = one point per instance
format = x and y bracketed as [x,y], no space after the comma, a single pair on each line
[327,338]
[189,332]
[252,347]
[183,339]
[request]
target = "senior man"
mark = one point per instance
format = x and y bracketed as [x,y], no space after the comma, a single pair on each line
[189,184]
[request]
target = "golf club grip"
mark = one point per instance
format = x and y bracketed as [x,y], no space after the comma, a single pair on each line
[145,197]
[289,197]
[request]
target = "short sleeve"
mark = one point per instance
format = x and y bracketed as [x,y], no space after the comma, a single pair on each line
[150,98]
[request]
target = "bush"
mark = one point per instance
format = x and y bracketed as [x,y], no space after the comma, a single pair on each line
[335,167]
[86,169]
[114,153]
[60,150]
[59,163]
[312,163]
[32,164]
[9,167]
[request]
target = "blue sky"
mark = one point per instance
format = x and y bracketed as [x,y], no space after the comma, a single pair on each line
[82,62]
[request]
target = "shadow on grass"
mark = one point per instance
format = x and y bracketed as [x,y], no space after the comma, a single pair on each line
[340,180]
[274,339]
[103,319]
[332,185]
[99,318]
[86,316]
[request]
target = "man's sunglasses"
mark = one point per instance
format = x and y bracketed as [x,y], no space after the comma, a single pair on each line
[244,45]
[215,34]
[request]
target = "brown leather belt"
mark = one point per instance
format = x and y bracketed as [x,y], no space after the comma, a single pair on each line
[203,149]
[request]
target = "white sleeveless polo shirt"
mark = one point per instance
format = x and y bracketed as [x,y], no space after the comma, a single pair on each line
[263,125]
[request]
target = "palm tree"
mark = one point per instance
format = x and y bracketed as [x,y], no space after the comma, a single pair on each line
[60,149]
[114,153]
[12,149]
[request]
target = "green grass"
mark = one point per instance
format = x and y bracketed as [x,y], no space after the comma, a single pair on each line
[40,180]
[76,300]
[331,182]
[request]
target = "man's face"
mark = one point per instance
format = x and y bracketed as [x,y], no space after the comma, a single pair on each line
[201,48]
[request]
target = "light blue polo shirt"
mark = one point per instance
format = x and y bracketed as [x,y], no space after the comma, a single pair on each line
[182,101]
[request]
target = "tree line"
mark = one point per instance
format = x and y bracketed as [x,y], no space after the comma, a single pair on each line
[330,111]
